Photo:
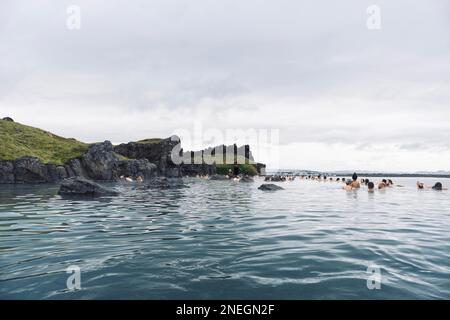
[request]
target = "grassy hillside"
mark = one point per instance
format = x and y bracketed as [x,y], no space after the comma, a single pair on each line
[18,140]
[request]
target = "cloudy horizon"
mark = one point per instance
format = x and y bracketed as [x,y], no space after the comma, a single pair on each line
[341,95]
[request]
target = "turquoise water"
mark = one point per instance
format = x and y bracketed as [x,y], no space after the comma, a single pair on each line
[226,240]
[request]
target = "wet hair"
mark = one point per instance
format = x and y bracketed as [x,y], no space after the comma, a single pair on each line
[371,185]
[343,179]
[438,186]
[348,182]
[384,181]
[355,176]
[338,179]
[420,185]
[390,181]
[367,182]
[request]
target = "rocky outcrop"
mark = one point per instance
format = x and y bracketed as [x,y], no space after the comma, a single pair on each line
[155,151]
[194,170]
[7,172]
[79,186]
[204,162]
[269,187]
[32,170]
[99,163]
[136,168]
[104,162]
[8,119]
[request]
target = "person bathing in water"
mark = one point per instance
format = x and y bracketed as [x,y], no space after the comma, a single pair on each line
[437,186]
[382,184]
[371,186]
[355,184]
[348,186]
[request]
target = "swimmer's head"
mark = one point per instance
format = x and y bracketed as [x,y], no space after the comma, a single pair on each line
[438,186]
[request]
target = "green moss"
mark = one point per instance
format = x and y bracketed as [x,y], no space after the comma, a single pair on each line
[121,157]
[247,169]
[17,140]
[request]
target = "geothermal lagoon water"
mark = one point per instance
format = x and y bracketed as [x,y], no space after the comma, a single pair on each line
[227,240]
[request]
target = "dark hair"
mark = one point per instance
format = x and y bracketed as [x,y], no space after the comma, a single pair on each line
[384,181]
[355,176]
[367,182]
[438,186]
[371,185]
[348,182]
[390,181]
[338,179]
[343,179]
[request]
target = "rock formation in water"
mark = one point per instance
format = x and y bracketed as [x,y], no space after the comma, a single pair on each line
[269,187]
[78,186]
[47,158]
[220,159]
[156,151]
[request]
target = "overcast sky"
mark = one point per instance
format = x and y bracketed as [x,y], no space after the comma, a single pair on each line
[341,95]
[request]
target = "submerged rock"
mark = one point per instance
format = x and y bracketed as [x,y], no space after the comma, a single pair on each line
[270,187]
[166,183]
[82,187]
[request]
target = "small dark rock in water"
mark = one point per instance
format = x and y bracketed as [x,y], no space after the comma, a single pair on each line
[8,119]
[270,187]
[246,179]
[218,177]
[166,183]
[82,187]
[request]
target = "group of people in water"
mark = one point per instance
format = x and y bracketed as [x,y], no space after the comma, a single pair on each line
[350,184]
[355,183]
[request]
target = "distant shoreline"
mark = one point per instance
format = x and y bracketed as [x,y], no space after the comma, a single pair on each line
[361,174]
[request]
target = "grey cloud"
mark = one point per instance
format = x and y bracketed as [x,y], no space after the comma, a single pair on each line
[311,69]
